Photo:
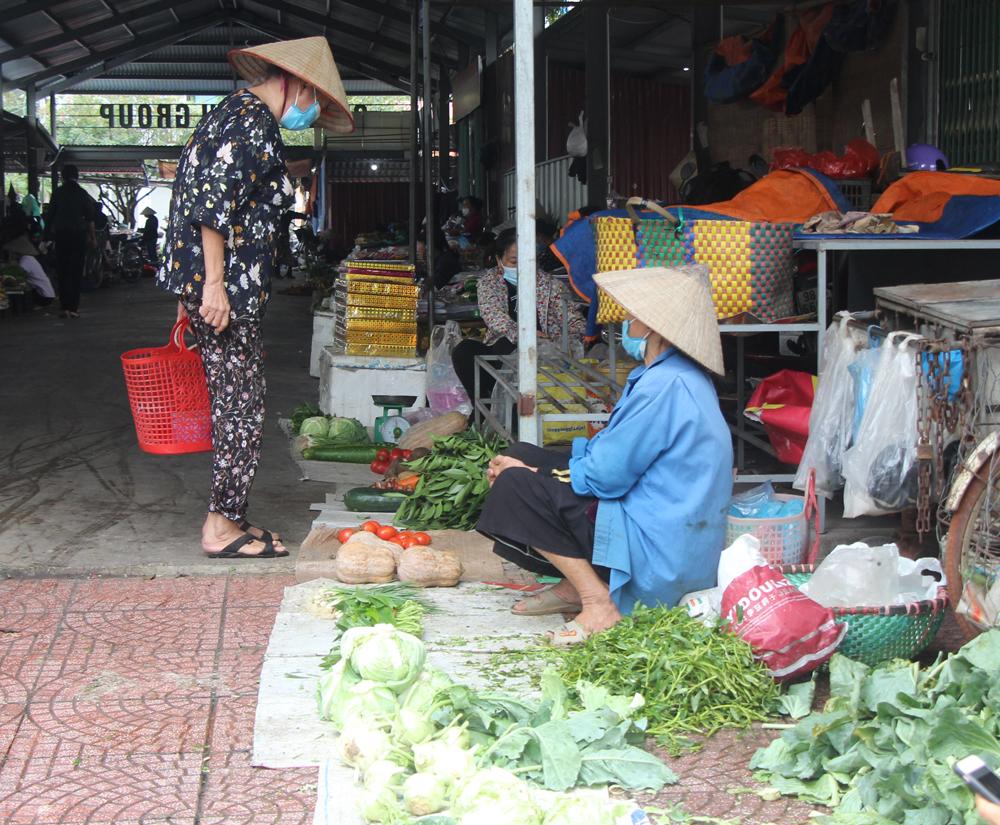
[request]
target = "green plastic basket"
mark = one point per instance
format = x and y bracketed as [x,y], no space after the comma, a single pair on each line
[879,634]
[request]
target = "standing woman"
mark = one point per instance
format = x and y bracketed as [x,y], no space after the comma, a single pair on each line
[230,191]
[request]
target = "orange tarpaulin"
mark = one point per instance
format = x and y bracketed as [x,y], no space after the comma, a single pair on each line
[922,196]
[785,196]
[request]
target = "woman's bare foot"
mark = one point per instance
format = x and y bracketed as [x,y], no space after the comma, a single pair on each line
[598,615]
[561,598]
[218,532]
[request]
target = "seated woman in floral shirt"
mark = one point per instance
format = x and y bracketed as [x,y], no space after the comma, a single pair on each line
[498,308]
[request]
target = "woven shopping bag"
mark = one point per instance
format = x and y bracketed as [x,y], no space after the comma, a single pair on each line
[751,265]
[616,250]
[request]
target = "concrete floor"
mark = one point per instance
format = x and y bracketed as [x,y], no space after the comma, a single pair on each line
[77,496]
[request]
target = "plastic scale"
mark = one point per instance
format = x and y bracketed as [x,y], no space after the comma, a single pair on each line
[390,426]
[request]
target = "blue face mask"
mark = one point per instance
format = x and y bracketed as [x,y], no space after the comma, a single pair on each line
[636,347]
[297,119]
[510,275]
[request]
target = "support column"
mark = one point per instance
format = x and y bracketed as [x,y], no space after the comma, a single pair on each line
[597,105]
[55,139]
[541,90]
[524,174]
[3,151]
[414,151]
[31,118]
[706,30]
[425,21]
[444,125]
[492,37]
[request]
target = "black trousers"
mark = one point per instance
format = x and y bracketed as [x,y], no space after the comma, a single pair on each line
[71,254]
[463,357]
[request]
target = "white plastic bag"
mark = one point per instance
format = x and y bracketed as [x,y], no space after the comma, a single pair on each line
[880,468]
[576,143]
[833,405]
[444,391]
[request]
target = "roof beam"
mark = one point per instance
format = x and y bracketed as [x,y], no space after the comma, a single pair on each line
[352,29]
[24,9]
[101,62]
[403,16]
[71,35]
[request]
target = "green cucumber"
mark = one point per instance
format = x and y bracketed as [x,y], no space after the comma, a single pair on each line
[370,500]
[349,453]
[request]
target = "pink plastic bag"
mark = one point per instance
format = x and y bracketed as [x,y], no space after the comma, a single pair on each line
[789,632]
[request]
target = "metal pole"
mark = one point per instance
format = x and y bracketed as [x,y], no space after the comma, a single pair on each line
[414,151]
[524,174]
[428,163]
[52,131]
[3,151]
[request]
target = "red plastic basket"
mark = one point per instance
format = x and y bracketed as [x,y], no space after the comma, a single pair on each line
[169,396]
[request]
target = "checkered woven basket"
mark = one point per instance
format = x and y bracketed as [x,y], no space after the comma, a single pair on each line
[616,250]
[751,265]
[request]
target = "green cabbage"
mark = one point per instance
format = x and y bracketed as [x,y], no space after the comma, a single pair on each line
[333,690]
[444,759]
[494,796]
[413,727]
[317,426]
[346,431]
[371,700]
[425,794]
[582,810]
[384,654]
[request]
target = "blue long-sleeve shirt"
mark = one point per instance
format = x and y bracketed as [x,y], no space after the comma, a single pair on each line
[662,471]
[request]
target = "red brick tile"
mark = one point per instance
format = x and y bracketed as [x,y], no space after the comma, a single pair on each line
[112,789]
[248,626]
[19,597]
[184,592]
[253,591]
[237,794]
[18,675]
[239,671]
[167,629]
[232,729]
[84,729]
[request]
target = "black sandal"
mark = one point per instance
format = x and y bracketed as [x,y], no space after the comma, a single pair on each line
[266,536]
[233,551]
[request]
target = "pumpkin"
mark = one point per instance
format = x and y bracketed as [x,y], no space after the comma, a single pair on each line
[425,567]
[359,562]
[422,435]
[371,540]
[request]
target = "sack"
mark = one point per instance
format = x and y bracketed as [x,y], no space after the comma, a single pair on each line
[444,391]
[782,403]
[616,250]
[789,632]
[720,183]
[576,143]
[880,469]
[832,410]
[752,265]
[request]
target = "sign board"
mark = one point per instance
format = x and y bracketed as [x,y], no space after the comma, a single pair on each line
[467,89]
[152,115]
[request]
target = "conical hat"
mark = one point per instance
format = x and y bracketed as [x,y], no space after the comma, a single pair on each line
[674,303]
[310,60]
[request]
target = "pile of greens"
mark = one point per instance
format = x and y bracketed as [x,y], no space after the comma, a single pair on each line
[453,485]
[301,413]
[883,747]
[424,745]
[696,679]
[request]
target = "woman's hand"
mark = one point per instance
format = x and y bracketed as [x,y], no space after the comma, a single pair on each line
[503,462]
[988,811]
[215,306]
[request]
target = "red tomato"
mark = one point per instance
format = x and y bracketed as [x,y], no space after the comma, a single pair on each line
[410,542]
[387,532]
[345,534]
[422,539]
[383,455]
[405,534]
[397,453]
[371,526]
[399,541]
[407,454]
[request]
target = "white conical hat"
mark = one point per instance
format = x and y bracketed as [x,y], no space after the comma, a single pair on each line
[674,303]
[310,60]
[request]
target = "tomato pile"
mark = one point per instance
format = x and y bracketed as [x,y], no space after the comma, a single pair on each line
[385,457]
[405,539]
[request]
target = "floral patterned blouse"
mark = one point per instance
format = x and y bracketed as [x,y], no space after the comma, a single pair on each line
[232,178]
[495,306]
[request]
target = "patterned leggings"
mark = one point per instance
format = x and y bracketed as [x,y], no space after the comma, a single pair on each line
[234,368]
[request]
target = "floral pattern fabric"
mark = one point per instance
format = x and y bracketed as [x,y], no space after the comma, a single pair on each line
[232,178]
[234,369]
[549,291]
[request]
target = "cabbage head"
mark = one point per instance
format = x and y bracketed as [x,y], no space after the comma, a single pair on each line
[412,726]
[421,694]
[384,654]
[425,794]
[346,431]
[494,796]
[582,810]
[444,759]
[371,700]
[333,691]
[317,426]
[381,806]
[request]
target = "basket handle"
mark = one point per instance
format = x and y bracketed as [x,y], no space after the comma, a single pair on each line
[812,513]
[177,335]
[652,206]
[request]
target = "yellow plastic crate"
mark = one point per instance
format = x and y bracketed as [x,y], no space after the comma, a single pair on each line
[376,325]
[374,349]
[381,301]
[361,286]
[389,339]
[377,314]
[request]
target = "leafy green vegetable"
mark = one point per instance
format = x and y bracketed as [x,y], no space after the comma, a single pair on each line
[346,431]
[317,426]
[695,679]
[384,654]
[301,413]
[576,810]
[882,749]
[495,797]
[425,794]
[797,700]
[333,690]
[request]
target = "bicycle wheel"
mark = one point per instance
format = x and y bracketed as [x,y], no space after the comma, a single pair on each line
[131,263]
[972,546]
[93,270]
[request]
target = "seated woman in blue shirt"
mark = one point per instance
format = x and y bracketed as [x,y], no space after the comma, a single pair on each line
[636,514]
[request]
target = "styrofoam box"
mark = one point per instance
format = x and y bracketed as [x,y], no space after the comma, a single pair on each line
[323,324]
[348,382]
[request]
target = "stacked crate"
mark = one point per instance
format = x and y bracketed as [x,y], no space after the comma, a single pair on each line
[377,309]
